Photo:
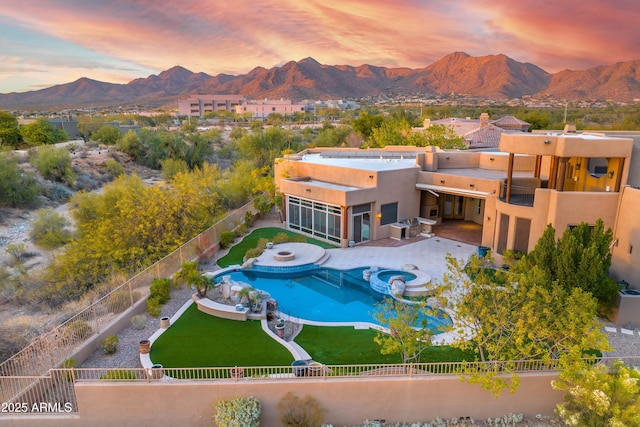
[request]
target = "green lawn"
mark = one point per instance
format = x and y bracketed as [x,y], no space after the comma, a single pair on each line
[236,253]
[201,340]
[345,345]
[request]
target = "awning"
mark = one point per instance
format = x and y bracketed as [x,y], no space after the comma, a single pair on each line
[453,190]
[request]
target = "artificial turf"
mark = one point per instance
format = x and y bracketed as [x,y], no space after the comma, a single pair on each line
[201,340]
[250,241]
[344,345]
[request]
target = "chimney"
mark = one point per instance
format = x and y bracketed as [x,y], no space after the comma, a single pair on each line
[484,120]
[569,128]
[426,123]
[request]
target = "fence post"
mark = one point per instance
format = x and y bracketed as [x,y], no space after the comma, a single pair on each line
[130,293]
[95,317]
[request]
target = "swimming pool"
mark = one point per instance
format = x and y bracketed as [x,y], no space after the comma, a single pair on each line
[323,294]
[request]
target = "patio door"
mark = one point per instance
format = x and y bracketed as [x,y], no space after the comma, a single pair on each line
[362,227]
[453,206]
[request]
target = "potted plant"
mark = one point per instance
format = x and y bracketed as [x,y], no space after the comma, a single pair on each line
[280,325]
[236,373]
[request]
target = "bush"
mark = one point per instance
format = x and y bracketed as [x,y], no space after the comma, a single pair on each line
[154,308]
[113,167]
[226,239]
[139,321]
[17,189]
[284,238]
[77,331]
[296,412]
[56,192]
[160,289]
[238,412]
[119,374]
[110,344]
[172,167]
[253,253]
[48,229]
[241,230]
[54,164]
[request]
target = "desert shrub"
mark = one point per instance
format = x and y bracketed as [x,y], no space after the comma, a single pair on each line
[54,164]
[248,219]
[16,333]
[281,238]
[17,189]
[226,238]
[119,374]
[131,144]
[297,412]
[48,229]
[241,230]
[16,250]
[113,167]
[253,253]
[118,301]
[56,192]
[160,289]
[172,167]
[77,331]
[238,412]
[110,344]
[154,308]
[139,321]
[87,183]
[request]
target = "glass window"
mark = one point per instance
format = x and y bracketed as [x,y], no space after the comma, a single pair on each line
[389,213]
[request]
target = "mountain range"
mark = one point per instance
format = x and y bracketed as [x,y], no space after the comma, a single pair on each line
[493,76]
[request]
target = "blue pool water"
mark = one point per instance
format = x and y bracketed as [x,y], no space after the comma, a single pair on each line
[323,294]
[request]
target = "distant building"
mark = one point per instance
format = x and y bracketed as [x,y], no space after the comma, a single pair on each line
[482,133]
[70,126]
[262,108]
[339,104]
[196,106]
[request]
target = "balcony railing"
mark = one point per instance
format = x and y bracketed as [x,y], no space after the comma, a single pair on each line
[520,195]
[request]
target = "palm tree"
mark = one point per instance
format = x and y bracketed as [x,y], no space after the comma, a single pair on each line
[191,276]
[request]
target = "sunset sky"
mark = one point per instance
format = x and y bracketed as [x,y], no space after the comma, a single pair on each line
[48,42]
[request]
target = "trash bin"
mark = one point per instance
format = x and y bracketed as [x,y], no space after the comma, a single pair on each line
[483,251]
[300,368]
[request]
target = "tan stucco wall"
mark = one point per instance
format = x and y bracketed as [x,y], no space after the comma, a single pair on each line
[348,402]
[626,265]
[560,209]
[576,145]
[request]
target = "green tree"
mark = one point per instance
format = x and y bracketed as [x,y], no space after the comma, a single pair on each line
[131,144]
[408,334]
[366,123]
[437,136]
[107,135]
[49,229]
[17,189]
[579,259]
[331,136]
[54,164]
[515,316]
[265,146]
[41,132]
[9,131]
[599,395]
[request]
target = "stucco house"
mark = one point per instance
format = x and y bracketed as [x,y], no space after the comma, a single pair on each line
[351,196]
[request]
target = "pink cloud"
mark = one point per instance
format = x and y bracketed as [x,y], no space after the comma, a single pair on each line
[234,37]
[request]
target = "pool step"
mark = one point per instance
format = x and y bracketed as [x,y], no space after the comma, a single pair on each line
[325,257]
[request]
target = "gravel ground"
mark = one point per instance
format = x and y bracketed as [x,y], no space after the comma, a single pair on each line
[127,355]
